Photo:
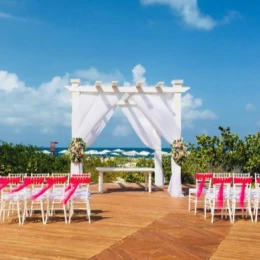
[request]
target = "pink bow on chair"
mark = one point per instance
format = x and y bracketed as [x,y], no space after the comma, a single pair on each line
[244,182]
[50,182]
[203,177]
[221,181]
[75,181]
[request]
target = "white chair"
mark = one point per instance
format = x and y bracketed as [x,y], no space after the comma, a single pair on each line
[10,202]
[255,196]
[203,184]
[21,175]
[221,174]
[241,196]
[54,174]
[36,184]
[81,196]
[237,174]
[56,195]
[218,197]
[40,175]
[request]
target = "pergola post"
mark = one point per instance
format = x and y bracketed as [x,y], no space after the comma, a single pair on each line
[176,169]
[75,83]
[177,85]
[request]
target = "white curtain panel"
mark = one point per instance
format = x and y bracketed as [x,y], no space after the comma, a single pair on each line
[90,110]
[158,108]
[98,128]
[148,135]
[90,114]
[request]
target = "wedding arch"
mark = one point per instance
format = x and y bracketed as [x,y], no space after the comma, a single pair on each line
[153,112]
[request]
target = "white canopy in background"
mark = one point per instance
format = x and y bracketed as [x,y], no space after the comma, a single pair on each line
[130,153]
[153,113]
[115,154]
[105,151]
[64,151]
[92,152]
[144,153]
[46,152]
[118,150]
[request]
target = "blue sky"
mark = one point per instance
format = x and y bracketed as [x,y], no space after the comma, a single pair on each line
[213,45]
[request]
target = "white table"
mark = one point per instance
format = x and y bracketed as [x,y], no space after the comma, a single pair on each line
[147,172]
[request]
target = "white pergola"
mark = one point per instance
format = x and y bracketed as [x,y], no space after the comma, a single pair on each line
[154,113]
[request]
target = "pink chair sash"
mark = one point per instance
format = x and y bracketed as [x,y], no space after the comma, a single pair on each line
[258,180]
[203,177]
[243,181]
[70,193]
[221,196]
[28,181]
[75,181]
[221,181]
[69,187]
[4,181]
[50,182]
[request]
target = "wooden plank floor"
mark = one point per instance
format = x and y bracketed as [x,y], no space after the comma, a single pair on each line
[242,242]
[128,223]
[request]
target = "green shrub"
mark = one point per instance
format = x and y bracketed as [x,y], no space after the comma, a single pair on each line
[224,153]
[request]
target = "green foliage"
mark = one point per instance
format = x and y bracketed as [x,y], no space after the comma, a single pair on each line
[138,177]
[252,153]
[18,158]
[61,164]
[166,164]
[224,153]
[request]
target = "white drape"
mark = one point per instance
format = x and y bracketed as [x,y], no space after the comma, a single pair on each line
[158,110]
[90,111]
[90,114]
[148,135]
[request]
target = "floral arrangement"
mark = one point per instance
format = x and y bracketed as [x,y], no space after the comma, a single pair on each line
[76,150]
[179,151]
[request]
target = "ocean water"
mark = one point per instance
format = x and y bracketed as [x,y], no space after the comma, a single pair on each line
[112,150]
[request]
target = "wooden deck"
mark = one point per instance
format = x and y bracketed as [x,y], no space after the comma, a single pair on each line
[129,223]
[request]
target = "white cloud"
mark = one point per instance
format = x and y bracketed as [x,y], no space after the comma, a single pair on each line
[122,130]
[44,106]
[9,81]
[138,74]
[92,74]
[190,14]
[250,107]
[191,111]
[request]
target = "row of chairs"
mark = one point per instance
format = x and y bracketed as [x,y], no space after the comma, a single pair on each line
[50,193]
[226,192]
[22,175]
